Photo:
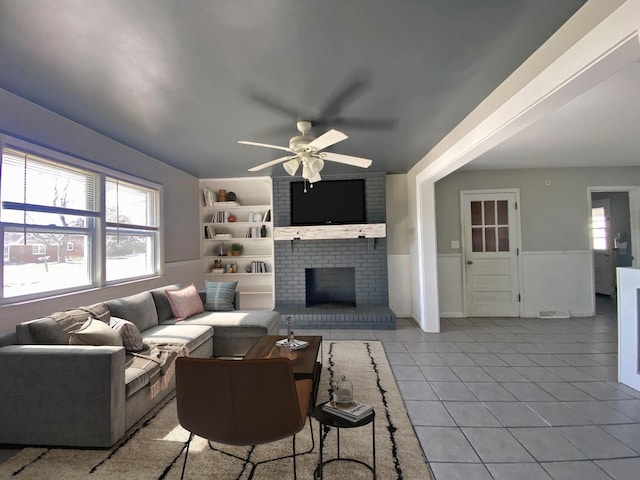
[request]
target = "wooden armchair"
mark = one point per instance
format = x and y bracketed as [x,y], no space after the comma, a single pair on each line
[241,402]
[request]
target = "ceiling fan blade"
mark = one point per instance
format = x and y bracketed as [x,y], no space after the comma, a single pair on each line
[347,94]
[272,162]
[364,123]
[256,144]
[327,139]
[346,159]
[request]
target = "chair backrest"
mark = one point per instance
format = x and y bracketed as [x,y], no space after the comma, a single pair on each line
[238,402]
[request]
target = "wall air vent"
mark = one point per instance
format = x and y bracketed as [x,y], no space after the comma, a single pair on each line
[553,314]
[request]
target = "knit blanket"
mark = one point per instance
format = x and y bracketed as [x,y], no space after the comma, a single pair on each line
[159,361]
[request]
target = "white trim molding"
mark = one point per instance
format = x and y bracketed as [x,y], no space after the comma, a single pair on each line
[628,327]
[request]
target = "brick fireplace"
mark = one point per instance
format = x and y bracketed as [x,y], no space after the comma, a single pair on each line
[365,257]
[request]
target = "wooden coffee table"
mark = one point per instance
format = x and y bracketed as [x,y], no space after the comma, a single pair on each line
[307,364]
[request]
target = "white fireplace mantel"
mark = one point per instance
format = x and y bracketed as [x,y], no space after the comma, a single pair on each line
[628,326]
[331,232]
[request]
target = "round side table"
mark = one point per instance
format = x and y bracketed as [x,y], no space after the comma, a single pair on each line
[328,420]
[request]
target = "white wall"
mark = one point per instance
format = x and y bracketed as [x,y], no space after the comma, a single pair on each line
[398,259]
[629,327]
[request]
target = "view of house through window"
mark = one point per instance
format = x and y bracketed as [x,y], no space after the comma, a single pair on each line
[50,217]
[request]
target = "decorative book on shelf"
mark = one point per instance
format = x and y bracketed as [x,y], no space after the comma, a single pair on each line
[353,412]
[257,267]
[209,196]
[226,204]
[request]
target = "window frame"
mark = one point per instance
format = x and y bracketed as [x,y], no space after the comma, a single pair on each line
[97,229]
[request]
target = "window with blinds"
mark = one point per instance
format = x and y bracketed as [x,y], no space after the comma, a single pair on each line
[132,229]
[58,233]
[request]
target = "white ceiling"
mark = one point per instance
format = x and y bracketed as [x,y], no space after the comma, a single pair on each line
[599,128]
[184,80]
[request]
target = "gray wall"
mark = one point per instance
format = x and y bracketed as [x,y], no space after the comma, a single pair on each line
[31,123]
[554,217]
[37,125]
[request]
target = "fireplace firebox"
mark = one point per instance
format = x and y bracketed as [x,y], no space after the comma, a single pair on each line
[327,287]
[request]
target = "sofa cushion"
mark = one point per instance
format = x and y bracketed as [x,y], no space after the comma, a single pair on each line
[220,295]
[235,332]
[163,307]
[95,332]
[191,336]
[185,302]
[135,379]
[131,337]
[42,331]
[138,309]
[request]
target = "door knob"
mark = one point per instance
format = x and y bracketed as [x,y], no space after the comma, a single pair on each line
[469,262]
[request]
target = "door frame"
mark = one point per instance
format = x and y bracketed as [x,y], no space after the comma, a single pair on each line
[634,214]
[517,242]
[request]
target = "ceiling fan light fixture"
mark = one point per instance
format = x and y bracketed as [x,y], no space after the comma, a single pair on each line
[315,177]
[316,165]
[307,150]
[291,167]
[306,171]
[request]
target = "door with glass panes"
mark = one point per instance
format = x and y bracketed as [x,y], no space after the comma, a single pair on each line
[490,256]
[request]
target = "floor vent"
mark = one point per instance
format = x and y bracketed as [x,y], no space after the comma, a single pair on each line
[553,314]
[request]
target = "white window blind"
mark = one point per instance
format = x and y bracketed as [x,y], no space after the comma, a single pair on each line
[59,234]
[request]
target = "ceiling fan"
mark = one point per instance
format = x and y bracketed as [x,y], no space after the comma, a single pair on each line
[307,150]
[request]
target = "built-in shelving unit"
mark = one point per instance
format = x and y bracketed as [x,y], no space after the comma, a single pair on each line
[246,221]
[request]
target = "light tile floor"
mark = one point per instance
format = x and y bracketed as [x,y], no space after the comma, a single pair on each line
[511,398]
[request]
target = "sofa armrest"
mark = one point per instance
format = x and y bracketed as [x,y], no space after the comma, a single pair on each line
[62,395]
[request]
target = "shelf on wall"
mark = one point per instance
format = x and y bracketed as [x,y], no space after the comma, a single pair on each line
[242,274]
[331,232]
[238,257]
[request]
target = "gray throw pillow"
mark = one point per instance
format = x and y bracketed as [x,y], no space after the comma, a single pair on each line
[220,296]
[163,306]
[95,332]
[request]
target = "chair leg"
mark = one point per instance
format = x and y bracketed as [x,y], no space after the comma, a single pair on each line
[295,474]
[186,454]
[313,438]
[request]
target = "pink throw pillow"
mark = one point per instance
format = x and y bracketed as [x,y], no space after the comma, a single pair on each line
[184,302]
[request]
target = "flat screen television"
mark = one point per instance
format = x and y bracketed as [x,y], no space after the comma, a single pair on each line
[329,202]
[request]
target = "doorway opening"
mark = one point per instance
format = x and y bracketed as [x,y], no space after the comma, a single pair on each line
[613,238]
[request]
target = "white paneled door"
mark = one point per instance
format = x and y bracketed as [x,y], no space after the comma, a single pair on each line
[491,248]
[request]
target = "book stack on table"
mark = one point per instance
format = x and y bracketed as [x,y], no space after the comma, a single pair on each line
[295,344]
[353,412]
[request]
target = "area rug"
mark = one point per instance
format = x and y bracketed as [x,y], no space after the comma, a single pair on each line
[154,448]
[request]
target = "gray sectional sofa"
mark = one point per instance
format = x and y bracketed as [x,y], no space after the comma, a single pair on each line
[56,394]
